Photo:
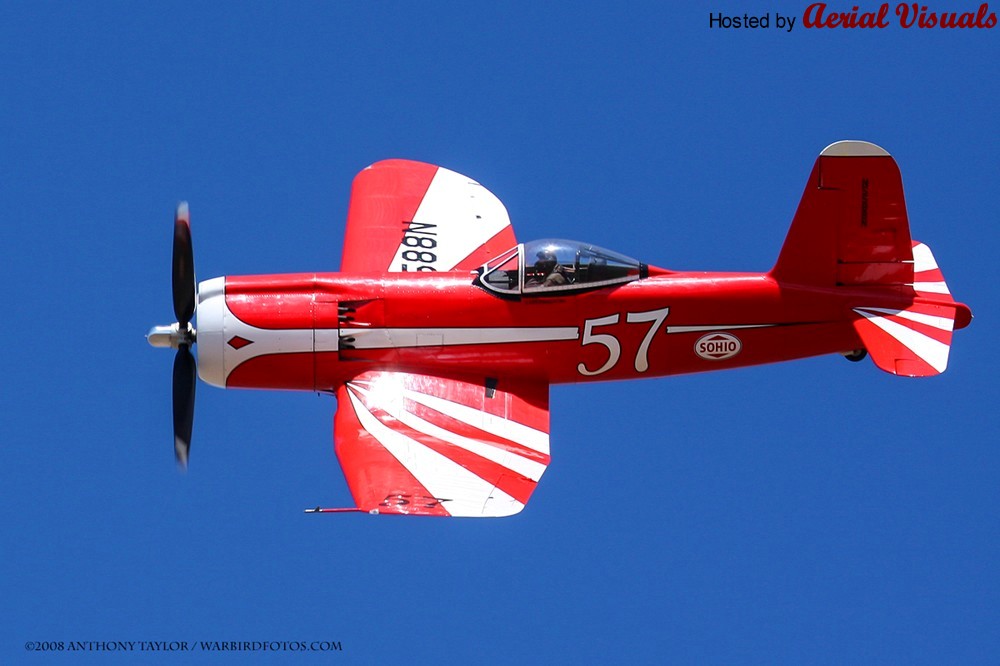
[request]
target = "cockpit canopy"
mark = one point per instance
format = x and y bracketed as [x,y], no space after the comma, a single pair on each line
[552,265]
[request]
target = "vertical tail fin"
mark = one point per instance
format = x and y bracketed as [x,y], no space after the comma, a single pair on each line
[851,226]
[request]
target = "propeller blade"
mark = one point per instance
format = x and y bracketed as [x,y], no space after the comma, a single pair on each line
[183,267]
[185,379]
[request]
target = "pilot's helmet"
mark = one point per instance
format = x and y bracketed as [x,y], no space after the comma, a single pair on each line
[546,260]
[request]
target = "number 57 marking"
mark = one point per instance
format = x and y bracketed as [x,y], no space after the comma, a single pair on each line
[654,317]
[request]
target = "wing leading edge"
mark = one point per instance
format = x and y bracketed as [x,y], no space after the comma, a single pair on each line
[411,216]
[424,445]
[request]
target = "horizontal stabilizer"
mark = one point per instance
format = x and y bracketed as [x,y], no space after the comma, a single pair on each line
[914,341]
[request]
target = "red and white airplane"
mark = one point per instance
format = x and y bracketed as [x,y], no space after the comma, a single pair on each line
[441,334]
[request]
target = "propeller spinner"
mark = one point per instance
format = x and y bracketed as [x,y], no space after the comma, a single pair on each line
[181,335]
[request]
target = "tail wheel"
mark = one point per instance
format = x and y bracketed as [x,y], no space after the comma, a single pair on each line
[856,355]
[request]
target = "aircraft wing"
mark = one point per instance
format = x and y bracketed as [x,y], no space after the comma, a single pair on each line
[411,216]
[424,445]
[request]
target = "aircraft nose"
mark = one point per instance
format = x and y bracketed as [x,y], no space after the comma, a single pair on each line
[211,331]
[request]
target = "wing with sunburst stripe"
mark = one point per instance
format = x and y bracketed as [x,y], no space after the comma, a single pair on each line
[411,216]
[425,445]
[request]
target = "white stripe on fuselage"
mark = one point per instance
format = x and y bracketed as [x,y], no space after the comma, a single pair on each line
[715,327]
[291,341]
[385,338]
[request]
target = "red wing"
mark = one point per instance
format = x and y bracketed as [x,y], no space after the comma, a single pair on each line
[424,445]
[411,216]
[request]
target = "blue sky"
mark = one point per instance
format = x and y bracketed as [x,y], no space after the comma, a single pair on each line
[811,512]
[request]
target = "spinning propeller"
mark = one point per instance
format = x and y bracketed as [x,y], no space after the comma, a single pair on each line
[181,334]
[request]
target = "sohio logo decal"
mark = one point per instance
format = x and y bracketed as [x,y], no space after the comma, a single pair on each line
[718,346]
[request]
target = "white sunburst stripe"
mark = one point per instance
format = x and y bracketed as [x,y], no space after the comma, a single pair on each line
[495,425]
[523,466]
[942,323]
[923,259]
[388,338]
[932,287]
[714,327]
[924,262]
[468,494]
[933,352]
[464,216]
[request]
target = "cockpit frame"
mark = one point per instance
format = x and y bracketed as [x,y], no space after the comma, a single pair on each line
[560,267]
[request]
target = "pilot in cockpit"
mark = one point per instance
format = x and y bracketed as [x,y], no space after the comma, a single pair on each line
[548,271]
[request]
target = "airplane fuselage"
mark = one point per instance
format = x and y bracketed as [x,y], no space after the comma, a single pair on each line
[315,331]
